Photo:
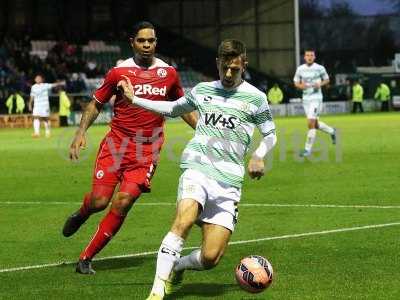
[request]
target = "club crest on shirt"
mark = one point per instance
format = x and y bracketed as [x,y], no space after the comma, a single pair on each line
[190,188]
[162,73]
[100,174]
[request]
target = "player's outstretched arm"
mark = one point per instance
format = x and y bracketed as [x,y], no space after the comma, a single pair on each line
[191,119]
[166,108]
[256,164]
[58,83]
[266,126]
[89,115]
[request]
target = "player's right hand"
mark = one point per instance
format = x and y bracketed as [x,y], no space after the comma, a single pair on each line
[78,143]
[303,86]
[126,87]
[256,168]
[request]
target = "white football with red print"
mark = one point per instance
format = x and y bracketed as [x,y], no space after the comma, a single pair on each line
[254,273]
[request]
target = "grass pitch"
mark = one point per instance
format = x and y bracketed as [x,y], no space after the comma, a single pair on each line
[314,220]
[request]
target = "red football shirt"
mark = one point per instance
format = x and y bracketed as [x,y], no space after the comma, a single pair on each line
[158,82]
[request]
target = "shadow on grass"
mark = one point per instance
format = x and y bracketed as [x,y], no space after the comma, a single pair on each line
[120,263]
[207,290]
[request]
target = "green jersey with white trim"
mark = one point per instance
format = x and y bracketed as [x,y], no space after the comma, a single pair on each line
[227,119]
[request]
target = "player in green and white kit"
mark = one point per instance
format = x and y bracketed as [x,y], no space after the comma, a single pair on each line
[212,163]
[309,78]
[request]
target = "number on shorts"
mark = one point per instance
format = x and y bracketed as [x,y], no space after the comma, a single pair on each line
[151,171]
[236,216]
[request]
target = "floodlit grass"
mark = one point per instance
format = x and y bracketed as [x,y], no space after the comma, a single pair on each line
[40,188]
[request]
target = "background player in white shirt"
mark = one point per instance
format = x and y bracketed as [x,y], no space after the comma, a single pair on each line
[309,78]
[212,163]
[41,107]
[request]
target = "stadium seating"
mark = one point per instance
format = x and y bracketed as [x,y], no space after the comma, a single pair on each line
[190,78]
[100,46]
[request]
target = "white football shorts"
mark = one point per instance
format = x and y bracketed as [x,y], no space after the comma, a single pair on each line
[218,200]
[41,111]
[312,109]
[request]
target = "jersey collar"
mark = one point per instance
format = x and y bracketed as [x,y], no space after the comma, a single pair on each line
[220,86]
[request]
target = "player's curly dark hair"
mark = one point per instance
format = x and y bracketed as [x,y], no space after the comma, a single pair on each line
[231,48]
[141,25]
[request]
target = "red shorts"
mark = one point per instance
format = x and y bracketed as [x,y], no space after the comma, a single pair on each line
[126,161]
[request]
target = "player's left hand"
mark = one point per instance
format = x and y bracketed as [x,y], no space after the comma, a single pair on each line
[256,167]
[126,87]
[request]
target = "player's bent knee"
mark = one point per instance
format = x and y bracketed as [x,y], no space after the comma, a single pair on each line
[123,202]
[99,203]
[210,259]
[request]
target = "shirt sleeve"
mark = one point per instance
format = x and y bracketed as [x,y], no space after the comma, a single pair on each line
[263,119]
[170,109]
[191,98]
[32,94]
[107,89]
[176,90]
[324,74]
[297,76]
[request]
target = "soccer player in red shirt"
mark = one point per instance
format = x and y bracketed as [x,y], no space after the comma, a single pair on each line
[129,152]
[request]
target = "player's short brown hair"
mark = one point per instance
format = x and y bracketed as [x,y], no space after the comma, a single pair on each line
[231,48]
[141,25]
[309,50]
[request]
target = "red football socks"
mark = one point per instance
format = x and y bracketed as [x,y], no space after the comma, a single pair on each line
[108,227]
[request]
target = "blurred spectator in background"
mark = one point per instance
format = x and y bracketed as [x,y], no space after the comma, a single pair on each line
[383,94]
[94,69]
[357,96]
[64,107]
[395,87]
[275,94]
[76,84]
[348,89]
[263,86]
[247,76]
[15,102]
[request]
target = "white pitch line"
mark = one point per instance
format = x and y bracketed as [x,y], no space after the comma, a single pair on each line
[318,205]
[241,204]
[75,203]
[282,237]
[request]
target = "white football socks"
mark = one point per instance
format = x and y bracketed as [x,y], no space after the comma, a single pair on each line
[190,262]
[310,139]
[47,128]
[36,126]
[168,254]
[325,128]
